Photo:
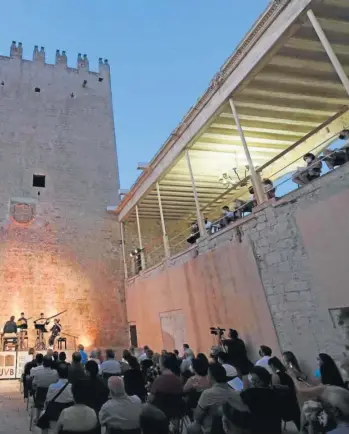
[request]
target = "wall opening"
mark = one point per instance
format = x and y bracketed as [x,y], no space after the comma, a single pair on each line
[39,181]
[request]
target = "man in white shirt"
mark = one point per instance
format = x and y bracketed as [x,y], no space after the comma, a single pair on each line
[143,356]
[110,366]
[265,353]
[223,359]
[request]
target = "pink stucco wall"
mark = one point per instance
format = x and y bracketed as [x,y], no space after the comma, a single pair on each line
[221,287]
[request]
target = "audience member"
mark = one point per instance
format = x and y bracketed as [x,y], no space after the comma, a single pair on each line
[265,354]
[338,157]
[188,355]
[280,377]
[27,381]
[199,381]
[223,359]
[153,420]
[176,353]
[93,356]
[55,360]
[237,352]
[60,393]
[211,400]
[292,365]
[83,354]
[330,374]
[168,382]
[147,362]
[75,370]
[269,188]
[263,403]
[329,414]
[312,170]
[39,358]
[143,356]
[30,356]
[228,217]
[110,366]
[79,417]
[121,411]
[194,233]
[124,365]
[62,357]
[49,353]
[97,392]
[46,376]
[208,225]
[134,380]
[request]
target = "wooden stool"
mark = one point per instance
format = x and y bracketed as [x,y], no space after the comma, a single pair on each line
[62,341]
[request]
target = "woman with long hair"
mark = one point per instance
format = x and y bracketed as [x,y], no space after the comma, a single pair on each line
[292,365]
[329,373]
[281,377]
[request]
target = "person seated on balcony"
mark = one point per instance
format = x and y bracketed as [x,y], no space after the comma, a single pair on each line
[194,233]
[208,226]
[228,217]
[304,175]
[269,188]
[338,157]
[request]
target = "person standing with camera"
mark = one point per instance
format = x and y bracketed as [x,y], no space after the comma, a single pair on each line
[236,349]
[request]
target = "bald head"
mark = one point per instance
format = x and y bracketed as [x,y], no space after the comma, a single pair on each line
[116,386]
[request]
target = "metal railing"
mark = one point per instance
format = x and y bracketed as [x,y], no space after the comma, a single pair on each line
[178,243]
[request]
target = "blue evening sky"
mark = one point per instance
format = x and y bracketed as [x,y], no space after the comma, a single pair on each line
[163,54]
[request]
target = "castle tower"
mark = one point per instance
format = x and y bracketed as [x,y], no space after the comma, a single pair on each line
[59,249]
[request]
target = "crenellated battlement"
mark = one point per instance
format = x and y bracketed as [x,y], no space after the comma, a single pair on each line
[16,51]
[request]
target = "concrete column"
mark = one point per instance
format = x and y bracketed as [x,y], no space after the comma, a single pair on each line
[123,249]
[199,217]
[140,239]
[329,50]
[256,181]
[164,234]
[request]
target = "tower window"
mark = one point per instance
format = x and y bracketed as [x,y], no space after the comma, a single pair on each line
[37,89]
[100,79]
[39,181]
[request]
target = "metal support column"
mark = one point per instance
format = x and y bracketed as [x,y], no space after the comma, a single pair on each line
[140,239]
[256,181]
[164,234]
[329,50]
[123,249]
[199,217]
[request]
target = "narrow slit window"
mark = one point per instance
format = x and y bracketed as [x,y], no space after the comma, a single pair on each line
[100,79]
[39,181]
[37,89]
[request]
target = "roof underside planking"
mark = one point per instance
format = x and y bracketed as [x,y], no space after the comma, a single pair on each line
[289,92]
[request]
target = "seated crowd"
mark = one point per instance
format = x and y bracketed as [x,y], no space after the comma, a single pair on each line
[156,393]
[302,176]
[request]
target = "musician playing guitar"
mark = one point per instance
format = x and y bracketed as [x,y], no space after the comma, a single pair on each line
[22,322]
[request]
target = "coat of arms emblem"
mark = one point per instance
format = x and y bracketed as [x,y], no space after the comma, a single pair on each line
[22,212]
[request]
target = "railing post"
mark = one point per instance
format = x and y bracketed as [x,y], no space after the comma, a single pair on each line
[140,239]
[329,50]
[123,249]
[164,234]
[199,217]
[256,181]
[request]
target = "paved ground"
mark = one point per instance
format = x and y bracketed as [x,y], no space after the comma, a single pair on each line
[14,417]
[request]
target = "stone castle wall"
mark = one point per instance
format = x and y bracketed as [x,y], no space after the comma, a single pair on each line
[68,255]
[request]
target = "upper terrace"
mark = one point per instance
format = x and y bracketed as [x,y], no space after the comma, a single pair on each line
[283,93]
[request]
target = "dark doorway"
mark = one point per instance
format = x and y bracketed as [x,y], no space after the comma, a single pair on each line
[133,336]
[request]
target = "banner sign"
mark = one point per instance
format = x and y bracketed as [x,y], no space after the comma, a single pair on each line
[7,365]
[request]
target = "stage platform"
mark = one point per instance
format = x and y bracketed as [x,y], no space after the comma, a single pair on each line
[12,362]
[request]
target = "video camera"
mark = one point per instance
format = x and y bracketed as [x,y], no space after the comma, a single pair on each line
[217,331]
